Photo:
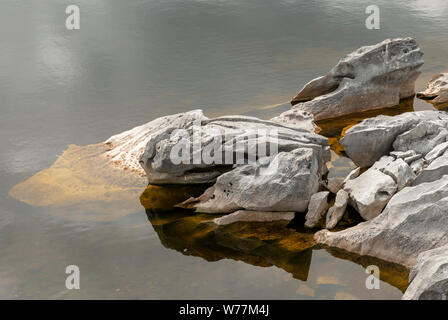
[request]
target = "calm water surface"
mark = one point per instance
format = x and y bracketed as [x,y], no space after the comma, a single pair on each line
[133,61]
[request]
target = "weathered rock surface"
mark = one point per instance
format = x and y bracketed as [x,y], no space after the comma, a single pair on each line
[287,184]
[125,148]
[400,172]
[317,208]
[429,277]
[336,212]
[297,119]
[334,184]
[436,90]
[369,78]
[415,220]
[370,192]
[206,148]
[253,216]
[436,169]
[373,138]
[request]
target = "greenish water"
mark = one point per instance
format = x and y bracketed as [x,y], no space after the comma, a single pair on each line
[133,61]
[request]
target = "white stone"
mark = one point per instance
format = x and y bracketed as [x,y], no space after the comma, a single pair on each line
[370,192]
[317,208]
[336,212]
[253,216]
[369,78]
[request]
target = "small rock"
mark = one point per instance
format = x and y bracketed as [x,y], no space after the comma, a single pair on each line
[403,154]
[336,212]
[412,158]
[317,208]
[352,175]
[370,192]
[436,152]
[417,166]
[436,90]
[334,184]
[253,216]
[401,172]
[434,171]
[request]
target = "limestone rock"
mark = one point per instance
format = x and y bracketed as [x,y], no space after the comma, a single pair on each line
[253,216]
[434,171]
[336,212]
[415,220]
[401,172]
[334,184]
[373,138]
[352,175]
[436,152]
[125,149]
[297,119]
[422,138]
[429,277]
[207,148]
[436,90]
[285,183]
[370,192]
[317,208]
[369,78]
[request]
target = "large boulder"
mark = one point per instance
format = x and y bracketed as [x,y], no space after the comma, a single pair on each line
[286,183]
[369,78]
[204,149]
[429,277]
[367,142]
[415,220]
[436,90]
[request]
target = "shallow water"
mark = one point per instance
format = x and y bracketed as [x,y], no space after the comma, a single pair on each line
[133,61]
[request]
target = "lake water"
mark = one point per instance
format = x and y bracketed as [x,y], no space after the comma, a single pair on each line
[133,61]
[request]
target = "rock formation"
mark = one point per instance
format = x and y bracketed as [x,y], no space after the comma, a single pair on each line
[369,78]
[285,175]
[436,91]
[429,277]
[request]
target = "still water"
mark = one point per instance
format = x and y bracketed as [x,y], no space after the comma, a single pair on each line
[133,61]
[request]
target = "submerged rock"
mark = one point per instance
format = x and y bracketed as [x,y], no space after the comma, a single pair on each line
[429,277]
[436,90]
[369,78]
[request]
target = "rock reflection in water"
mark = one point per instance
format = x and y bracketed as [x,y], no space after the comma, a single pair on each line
[258,244]
[286,245]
